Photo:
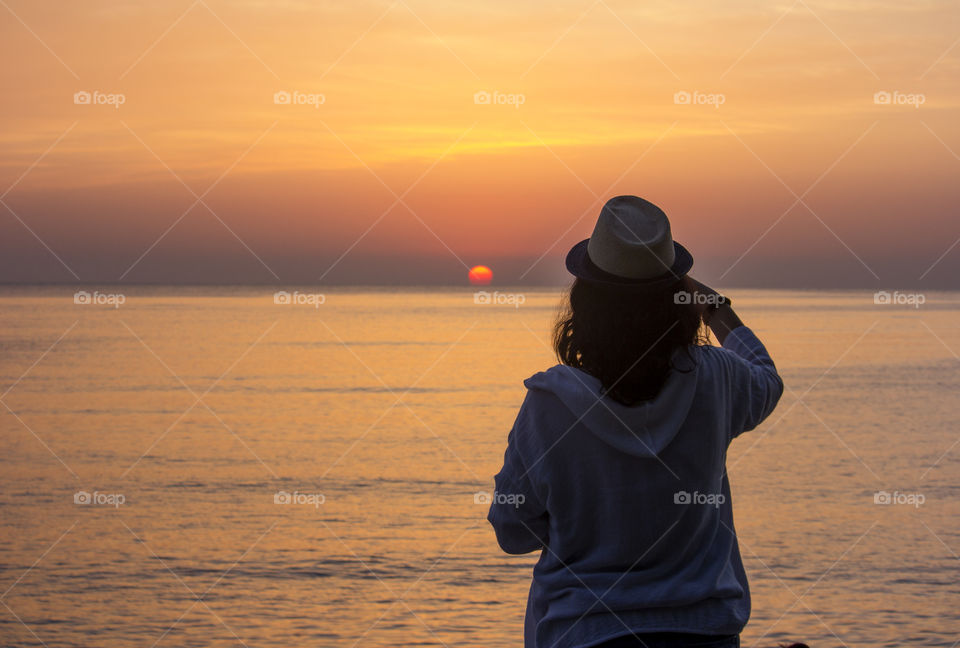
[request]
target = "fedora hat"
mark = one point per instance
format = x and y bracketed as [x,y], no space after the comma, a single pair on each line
[631,247]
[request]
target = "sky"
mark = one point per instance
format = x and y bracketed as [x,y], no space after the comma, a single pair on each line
[798,144]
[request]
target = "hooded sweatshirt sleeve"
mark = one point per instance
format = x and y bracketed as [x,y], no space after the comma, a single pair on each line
[756,386]
[517,513]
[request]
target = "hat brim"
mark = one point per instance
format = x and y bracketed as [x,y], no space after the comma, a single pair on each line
[581,266]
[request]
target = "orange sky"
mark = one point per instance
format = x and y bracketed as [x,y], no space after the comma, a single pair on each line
[797,178]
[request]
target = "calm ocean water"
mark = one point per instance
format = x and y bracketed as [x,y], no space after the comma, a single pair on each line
[304,474]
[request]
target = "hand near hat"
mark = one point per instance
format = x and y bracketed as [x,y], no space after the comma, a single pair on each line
[721,320]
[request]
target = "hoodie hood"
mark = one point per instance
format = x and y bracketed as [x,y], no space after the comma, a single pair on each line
[641,430]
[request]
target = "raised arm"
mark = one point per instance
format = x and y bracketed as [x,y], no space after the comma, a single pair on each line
[756,385]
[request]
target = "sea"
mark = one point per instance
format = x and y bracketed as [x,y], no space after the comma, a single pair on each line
[247,466]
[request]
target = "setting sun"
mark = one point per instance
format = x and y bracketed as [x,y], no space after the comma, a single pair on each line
[480,275]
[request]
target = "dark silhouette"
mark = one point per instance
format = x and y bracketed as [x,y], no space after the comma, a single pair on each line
[615,469]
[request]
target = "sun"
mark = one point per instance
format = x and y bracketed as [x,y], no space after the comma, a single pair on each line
[480,275]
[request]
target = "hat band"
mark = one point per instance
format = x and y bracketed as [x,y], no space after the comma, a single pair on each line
[608,277]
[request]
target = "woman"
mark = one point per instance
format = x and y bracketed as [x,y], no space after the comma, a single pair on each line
[616,461]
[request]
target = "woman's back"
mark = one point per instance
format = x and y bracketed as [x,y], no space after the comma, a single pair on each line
[640,527]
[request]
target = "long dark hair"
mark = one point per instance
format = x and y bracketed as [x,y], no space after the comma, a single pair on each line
[624,339]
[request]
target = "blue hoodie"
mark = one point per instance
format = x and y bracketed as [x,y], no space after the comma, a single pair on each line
[630,506]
